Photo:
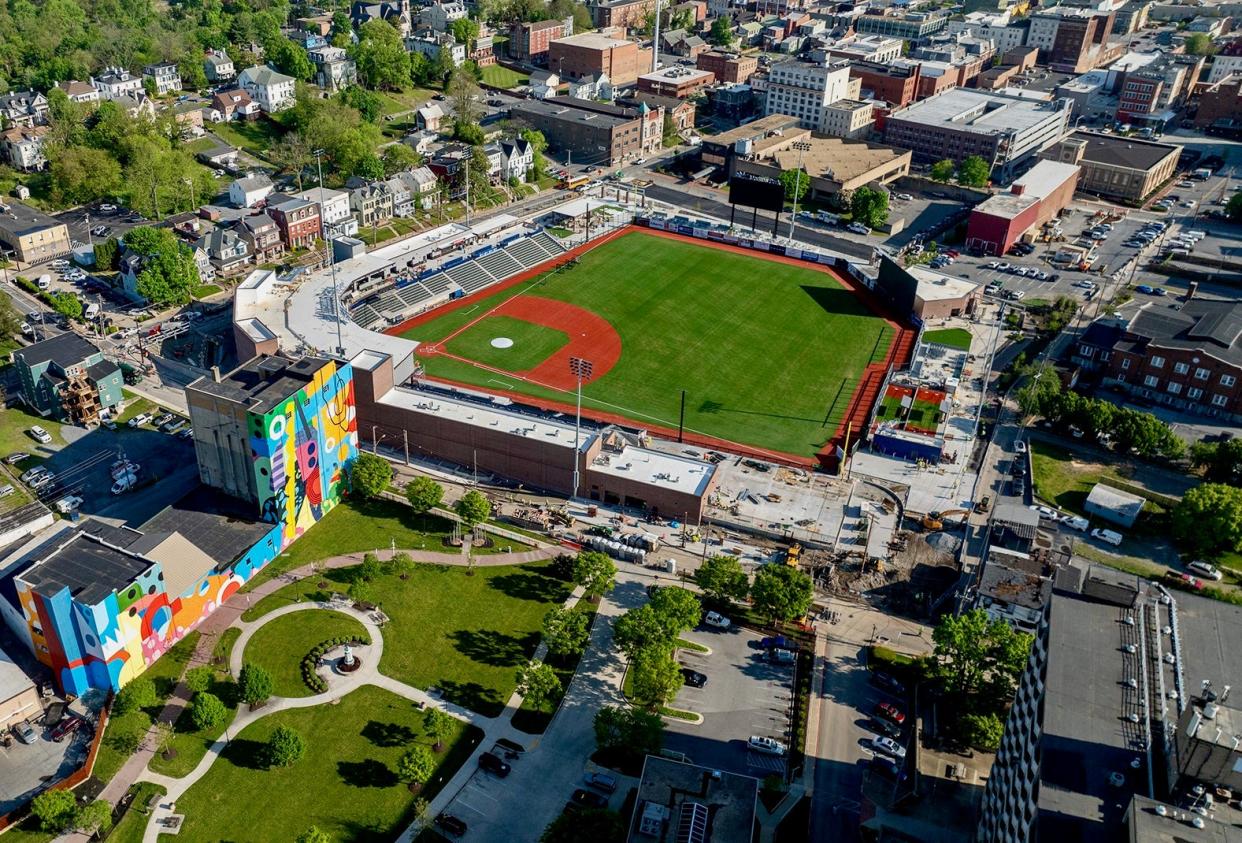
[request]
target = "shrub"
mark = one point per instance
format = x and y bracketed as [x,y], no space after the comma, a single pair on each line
[56,810]
[139,693]
[285,747]
[256,684]
[198,678]
[206,711]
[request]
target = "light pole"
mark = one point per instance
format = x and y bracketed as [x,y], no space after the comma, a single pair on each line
[581,370]
[336,301]
[802,147]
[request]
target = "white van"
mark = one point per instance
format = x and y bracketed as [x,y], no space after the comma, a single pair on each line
[1111,536]
[44,282]
[92,310]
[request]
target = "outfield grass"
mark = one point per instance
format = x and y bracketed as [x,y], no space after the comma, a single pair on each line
[503,77]
[532,344]
[465,634]
[280,645]
[952,337]
[346,783]
[768,353]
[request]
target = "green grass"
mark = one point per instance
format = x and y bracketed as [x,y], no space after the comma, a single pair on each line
[396,102]
[560,231]
[345,784]
[1065,480]
[747,338]
[503,77]
[692,646]
[360,525]
[123,733]
[465,634]
[202,291]
[254,136]
[921,415]
[952,337]
[28,831]
[199,145]
[14,424]
[224,646]
[532,344]
[188,744]
[134,824]
[281,644]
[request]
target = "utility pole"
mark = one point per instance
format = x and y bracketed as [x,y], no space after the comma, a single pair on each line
[581,370]
[468,186]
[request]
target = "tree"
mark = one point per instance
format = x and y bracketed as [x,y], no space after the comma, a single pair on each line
[139,693]
[565,631]
[590,825]
[974,171]
[290,59]
[67,305]
[370,475]
[472,508]
[943,170]
[538,682]
[368,103]
[169,273]
[381,59]
[594,571]
[722,578]
[465,31]
[796,184]
[56,810]
[10,319]
[1208,519]
[424,494]
[1221,461]
[370,570]
[106,254]
[983,731]
[416,766]
[255,683]
[285,747]
[95,818]
[1041,392]
[314,835]
[164,735]
[978,655]
[1233,208]
[639,630]
[81,174]
[539,144]
[655,676]
[198,678]
[361,591]
[206,711]
[403,565]
[397,158]
[464,94]
[438,725]
[471,133]
[292,154]
[721,33]
[677,608]
[1199,44]
[782,593]
[869,206]
[193,74]
[621,728]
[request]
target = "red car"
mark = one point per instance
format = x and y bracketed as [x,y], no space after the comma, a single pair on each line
[890,712]
[1185,580]
[67,726]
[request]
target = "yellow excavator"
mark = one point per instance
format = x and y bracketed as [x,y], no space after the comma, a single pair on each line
[934,521]
[793,554]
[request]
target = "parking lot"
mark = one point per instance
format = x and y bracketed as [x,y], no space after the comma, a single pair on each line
[26,768]
[745,695]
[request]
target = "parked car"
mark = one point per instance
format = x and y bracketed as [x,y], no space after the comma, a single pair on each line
[583,798]
[693,678]
[29,475]
[766,745]
[890,712]
[779,656]
[1185,580]
[25,732]
[1046,512]
[601,781]
[139,420]
[888,746]
[886,765]
[1205,569]
[887,682]
[494,764]
[779,642]
[68,504]
[885,727]
[859,228]
[1076,522]
[1020,446]
[451,824]
[717,620]
[40,435]
[16,457]
[1110,536]
[67,726]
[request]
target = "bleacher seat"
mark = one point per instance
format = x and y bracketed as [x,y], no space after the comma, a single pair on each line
[471,276]
[500,264]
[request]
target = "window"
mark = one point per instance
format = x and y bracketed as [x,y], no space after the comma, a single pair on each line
[1180,368]
[1157,362]
[1194,393]
[1174,388]
[1151,380]
[1220,400]
[1125,363]
[1086,351]
[1201,374]
[1228,380]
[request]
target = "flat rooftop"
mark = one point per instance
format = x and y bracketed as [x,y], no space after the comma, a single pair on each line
[264,382]
[656,468]
[1005,205]
[21,220]
[677,74]
[565,110]
[13,680]
[755,129]
[728,801]
[967,109]
[936,286]
[219,525]
[1044,178]
[89,560]
[839,159]
[1124,152]
[593,41]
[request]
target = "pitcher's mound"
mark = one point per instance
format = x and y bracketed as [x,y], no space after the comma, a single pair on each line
[502,342]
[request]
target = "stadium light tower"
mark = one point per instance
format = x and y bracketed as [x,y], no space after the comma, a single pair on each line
[802,147]
[336,300]
[581,370]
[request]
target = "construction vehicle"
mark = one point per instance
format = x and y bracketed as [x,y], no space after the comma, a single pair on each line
[934,521]
[792,555]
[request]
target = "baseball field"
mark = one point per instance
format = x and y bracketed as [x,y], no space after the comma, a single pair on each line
[769,352]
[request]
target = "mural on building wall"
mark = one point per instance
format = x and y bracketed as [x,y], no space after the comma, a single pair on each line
[301,449]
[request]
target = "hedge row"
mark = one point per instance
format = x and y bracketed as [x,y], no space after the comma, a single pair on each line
[313,680]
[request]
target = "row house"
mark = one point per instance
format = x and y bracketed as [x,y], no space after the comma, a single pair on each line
[218,67]
[82,93]
[483,47]
[23,108]
[334,69]
[371,203]
[272,90]
[308,39]
[402,197]
[117,82]
[227,106]
[297,219]
[21,147]
[597,86]
[423,185]
[1188,359]
[431,44]
[262,235]
[136,105]
[334,212]
[439,16]
[226,251]
[164,76]
[517,159]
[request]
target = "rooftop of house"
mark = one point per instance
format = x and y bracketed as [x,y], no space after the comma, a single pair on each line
[261,74]
[65,350]
[20,220]
[264,382]
[1017,587]
[674,795]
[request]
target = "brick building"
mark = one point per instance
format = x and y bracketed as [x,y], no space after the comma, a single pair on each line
[1120,168]
[895,85]
[530,41]
[1220,107]
[677,81]
[1070,39]
[1039,195]
[728,68]
[582,56]
[623,14]
[297,219]
[595,132]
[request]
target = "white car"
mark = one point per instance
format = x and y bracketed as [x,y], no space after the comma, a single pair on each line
[904,197]
[1046,512]
[1076,522]
[1205,570]
[59,263]
[68,504]
[107,207]
[768,746]
[859,228]
[1020,446]
[1110,536]
[139,420]
[888,746]
[717,620]
[40,435]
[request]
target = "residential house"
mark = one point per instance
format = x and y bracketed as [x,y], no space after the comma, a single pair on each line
[117,82]
[396,12]
[189,116]
[206,272]
[21,147]
[83,93]
[297,219]
[519,159]
[544,84]
[226,251]
[495,162]
[439,16]
[334,69]
[430,44]
[138,105]
[430,117]
[423,186]
[482,48]
[334,211]
[165,76]
[249,191]
[273,91]
[421,141]
[232,105]
[308,39]
[402,197]
[262,235]
[218,67]
[23,108]
[597,86]
[371,202]
[221,157]
[68,378]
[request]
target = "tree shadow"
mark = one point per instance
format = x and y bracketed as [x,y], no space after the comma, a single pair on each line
[528,585]
[473,696]
[388,734]
[247,754]
[487,646]
[368,773]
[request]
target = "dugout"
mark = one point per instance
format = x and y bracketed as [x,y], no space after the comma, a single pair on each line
[907,445]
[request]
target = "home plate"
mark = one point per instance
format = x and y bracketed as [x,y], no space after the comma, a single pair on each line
[502,342]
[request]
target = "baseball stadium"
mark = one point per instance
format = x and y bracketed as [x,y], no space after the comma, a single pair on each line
[730,347]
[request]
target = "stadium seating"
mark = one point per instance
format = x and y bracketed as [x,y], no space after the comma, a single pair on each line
[500,264]
[548,243]
[527,252]
[437,284]
[471,276]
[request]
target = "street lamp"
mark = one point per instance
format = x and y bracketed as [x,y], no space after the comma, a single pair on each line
[581,370]
[802,147]
[336,301]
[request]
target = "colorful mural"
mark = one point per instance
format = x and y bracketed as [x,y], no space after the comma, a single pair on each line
[301,450]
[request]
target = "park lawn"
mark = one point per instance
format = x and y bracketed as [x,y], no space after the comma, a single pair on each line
[535,719]
[134,824]
[354,526]
[503,77]
[280,645]
[951,337]
[202,291]
[768,353]
[188,744]
[122,734]
[532,344]
[345,784]
[463,633]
